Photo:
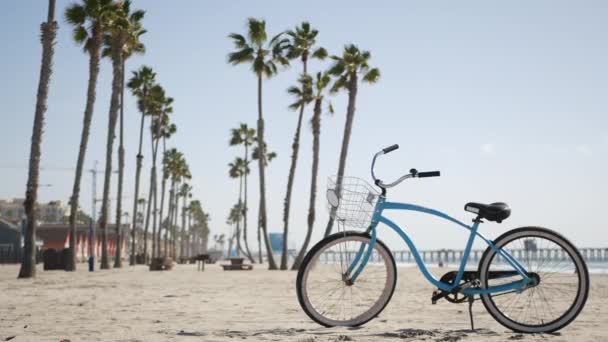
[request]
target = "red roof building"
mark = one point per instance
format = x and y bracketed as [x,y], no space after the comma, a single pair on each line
[57,236]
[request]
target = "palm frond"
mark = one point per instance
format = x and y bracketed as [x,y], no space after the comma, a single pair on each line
[330,107]
[241,56]
[337,68]
[366,55]
[258,66]
[256,30]
[75,15]
[320,53]
[80,34]
[137,15]
[372,76]
[339,84]
[323,80]
[293,90]
[295,105]
[277,39]
[238,40]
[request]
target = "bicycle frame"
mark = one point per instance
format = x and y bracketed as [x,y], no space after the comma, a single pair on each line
[363,255]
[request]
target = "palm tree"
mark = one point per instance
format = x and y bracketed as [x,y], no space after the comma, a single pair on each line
[161,128]
[118,28]
[166,133]
[245,136]
[301,42]
[131,46]
[185,192]
[239,169]
[269,156]
[90,20]
[234,218]
[347,69]
[179,171]
[264,58]
[48,32]
[322,80]
[302,95]
[201,226]
[193,207]
[159,106]
[140,84]
[171,161]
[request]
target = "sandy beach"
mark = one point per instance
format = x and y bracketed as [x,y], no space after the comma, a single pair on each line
[134,304]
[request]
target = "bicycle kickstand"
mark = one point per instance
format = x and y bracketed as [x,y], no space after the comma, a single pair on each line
[471,300]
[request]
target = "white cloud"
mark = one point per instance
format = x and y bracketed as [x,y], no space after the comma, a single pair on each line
[584,150]
[488,148]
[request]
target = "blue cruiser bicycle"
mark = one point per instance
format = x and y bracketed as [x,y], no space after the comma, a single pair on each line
[530,279]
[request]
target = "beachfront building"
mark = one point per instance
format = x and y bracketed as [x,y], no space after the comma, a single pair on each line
[10,242]
[51,212]
[57,236]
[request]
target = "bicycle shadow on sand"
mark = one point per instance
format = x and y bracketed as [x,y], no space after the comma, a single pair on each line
[354,334]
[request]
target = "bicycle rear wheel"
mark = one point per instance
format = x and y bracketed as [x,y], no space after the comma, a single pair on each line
[325,293]
[560,281]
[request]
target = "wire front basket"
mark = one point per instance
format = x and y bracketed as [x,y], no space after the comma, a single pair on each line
[351,201]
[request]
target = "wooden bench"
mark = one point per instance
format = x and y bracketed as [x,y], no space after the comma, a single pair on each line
[236,264]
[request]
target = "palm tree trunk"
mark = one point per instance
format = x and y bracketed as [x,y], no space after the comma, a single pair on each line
[261,163]
[243,210]
[154,194]
[84,139]
[175,216]
[248,252]
[316,132]
[182,242]
[121,171]
[348,126]
[140,158]
[292,173]
[150,195]
[147,220]
[114,104]
[162,200]
[192,236]
[169,218]
[260,237]
[48,33]
[238,222]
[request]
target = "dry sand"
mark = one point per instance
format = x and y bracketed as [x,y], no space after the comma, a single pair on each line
[134,304]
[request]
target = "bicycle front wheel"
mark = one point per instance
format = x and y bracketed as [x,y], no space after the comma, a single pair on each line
[325,291]
[560,281]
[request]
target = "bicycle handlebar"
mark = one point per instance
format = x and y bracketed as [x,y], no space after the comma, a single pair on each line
[390,149]
[413,172]
[429,174]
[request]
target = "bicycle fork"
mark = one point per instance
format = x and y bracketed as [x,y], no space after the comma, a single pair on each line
[361,259]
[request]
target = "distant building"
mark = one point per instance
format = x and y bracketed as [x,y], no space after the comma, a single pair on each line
[10,242]
[51,212]
[276,242]
[57,236]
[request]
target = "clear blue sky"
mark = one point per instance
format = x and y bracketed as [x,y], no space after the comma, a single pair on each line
[508,99]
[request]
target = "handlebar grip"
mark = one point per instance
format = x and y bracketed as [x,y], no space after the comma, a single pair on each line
[390,148]
[428,174]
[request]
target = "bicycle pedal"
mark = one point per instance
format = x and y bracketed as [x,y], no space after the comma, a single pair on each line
[437,294]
